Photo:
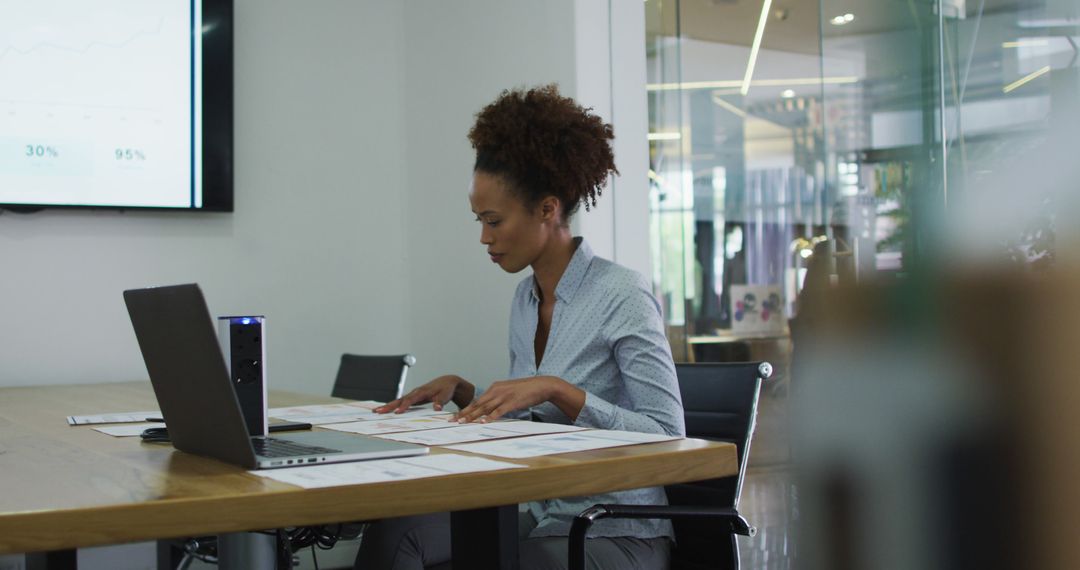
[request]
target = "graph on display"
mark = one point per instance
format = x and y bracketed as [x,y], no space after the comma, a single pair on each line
[98,103]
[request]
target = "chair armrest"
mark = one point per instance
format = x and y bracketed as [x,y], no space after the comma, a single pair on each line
[583,521]
[739,525]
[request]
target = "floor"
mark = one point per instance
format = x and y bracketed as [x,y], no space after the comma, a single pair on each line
[769,502]
[769,496]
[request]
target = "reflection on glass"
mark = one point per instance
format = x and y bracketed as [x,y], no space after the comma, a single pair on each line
[853,124]
[740,83]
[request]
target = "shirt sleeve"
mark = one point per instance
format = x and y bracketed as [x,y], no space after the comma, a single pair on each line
[635,332]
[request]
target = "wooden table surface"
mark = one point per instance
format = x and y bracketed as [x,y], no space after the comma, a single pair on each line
[64,487]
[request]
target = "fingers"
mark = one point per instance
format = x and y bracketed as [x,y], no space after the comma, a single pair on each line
[417,396]
[389,406]
[488,407]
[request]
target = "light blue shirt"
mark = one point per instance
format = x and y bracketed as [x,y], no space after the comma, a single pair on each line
[606,338]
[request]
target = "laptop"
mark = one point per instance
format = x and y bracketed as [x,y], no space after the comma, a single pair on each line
[199,405]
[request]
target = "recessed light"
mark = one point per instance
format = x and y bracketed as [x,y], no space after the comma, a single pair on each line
[787,93]
[843,19]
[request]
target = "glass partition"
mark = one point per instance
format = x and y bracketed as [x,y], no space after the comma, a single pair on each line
[799,145]
[835,138]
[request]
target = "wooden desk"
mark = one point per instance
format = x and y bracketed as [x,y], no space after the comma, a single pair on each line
[66,487]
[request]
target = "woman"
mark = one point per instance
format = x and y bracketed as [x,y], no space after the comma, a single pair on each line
[587,343]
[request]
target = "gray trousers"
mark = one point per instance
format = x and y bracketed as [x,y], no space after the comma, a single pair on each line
[418,542]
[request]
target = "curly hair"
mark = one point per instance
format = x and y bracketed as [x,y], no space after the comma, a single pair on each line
[544,144]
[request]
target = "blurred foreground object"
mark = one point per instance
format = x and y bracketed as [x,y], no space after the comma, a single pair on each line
[936,423]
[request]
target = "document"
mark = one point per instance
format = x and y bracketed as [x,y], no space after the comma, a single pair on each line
[324,414]
[476,432]
[126,430]
[551,444]
[414,412]
[321,414]
[115,418]
[336,474]
[390,425]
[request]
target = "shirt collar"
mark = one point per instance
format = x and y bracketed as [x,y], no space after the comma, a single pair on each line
[574,274]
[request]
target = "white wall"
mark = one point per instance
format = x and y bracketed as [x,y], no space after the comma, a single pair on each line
[459,56]
[610,68]
[352,229]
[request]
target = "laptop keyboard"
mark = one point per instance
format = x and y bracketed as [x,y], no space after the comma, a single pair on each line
[270,447]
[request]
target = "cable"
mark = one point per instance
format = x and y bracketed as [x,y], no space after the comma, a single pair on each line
[324,537]
[285,551]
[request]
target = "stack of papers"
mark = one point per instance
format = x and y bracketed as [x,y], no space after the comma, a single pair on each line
[335,474]
[534,446]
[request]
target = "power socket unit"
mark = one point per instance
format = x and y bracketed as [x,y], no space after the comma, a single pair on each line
[243,343]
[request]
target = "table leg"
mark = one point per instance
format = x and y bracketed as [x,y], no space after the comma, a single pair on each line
[485,538]
[55,560]
[247,551]
[169,554]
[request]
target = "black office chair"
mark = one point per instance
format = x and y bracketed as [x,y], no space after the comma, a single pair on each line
[719,403]
[379,378]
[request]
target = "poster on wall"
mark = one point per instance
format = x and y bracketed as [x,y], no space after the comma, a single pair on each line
[757,309]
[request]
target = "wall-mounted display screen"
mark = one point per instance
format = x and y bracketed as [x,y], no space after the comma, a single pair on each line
[117,104]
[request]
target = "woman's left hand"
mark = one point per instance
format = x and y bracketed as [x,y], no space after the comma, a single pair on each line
[509,395]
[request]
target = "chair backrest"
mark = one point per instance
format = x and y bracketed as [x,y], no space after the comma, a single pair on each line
[720,403]
[380,378]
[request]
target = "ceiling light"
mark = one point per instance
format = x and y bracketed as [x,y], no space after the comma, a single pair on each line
[787,93]
[843,19]
[1023,80]
[1049,23]
[760,33]
[1025,43]
[720,102]
[735,83]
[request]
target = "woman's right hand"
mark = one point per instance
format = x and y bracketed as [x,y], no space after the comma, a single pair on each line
[439,391]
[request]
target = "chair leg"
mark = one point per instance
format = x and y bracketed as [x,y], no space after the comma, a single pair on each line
[578,529]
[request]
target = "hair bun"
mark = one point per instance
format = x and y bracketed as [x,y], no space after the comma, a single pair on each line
[544,144]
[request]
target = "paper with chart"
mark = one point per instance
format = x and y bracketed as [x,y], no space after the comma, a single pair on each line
[390,425]
[318,414]
[114,418]
[336,474]
[126,430]
[551,444]
[477,432]
[324,414]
